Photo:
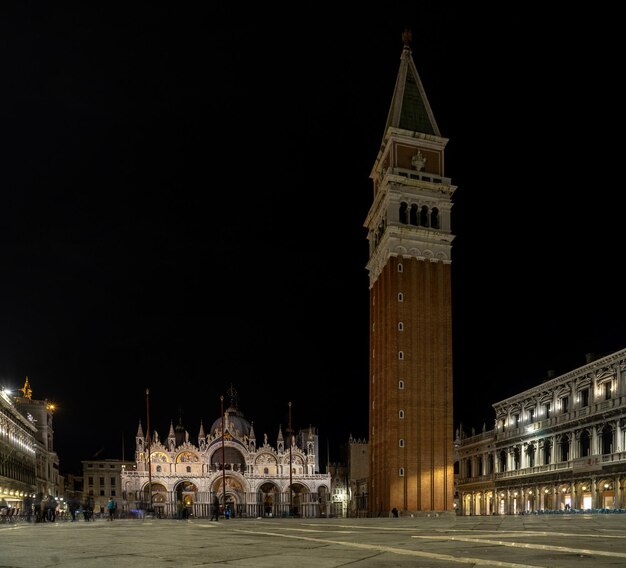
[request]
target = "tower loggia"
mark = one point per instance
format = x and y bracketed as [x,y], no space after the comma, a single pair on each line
[409,266]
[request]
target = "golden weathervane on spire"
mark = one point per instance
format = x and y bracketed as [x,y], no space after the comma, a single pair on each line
[28,392]
[406,37]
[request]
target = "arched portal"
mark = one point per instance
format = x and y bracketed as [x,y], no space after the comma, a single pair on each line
[185,498]
[159,500]
[268,496]
[232,500]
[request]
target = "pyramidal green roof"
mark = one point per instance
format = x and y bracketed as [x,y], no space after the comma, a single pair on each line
[410,109]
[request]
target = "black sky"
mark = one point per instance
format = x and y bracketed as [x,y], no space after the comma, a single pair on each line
[184,192]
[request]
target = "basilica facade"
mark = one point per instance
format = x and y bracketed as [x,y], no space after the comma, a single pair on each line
[250,478]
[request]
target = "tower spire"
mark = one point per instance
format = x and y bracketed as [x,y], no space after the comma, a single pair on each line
[410,109]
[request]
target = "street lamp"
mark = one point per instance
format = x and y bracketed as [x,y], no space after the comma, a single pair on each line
[223,456]
[289,431]
[149,457]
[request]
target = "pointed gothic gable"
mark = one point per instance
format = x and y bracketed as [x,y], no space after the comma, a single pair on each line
[410,109]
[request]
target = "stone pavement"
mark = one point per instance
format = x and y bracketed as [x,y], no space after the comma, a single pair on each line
[578,540]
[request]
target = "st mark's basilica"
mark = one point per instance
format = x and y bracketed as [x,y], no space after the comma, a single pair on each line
[249,477]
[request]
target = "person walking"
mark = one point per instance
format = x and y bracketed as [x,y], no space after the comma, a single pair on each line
[73,506]
[88,508]
[51,509]
[111,507]
[216,508]
[38,506]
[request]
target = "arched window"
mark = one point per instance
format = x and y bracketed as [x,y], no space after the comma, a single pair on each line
[400,326]
[159,469]
[502,460]
[400,268]
[401,384]
[585,444]
[403,213]
[547,447]
[607,440]
[266,470]
[434,218]
[564,449]
[401,442]
[400,297]
[413,218]
[401,472]
[401,355]
[424,216]
[188,469]
[401,414]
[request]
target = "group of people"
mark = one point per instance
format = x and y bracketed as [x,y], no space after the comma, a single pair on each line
[44,509]
[216,510]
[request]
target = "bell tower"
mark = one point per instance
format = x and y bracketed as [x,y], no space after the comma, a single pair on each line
[410,347]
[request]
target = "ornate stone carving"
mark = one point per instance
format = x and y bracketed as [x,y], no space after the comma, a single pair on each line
[418,161]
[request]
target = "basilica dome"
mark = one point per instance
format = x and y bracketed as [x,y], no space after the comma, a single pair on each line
[234,420]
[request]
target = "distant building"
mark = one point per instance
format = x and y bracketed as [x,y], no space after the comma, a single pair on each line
[339,497]
[558,446]
[249,479]
[102,479]
[358,469]
[73,487]
[350,479]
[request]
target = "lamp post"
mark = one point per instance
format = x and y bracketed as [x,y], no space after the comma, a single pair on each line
[223,457]
[149,457]
[289,431]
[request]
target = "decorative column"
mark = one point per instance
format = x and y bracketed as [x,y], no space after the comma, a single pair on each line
[594,494]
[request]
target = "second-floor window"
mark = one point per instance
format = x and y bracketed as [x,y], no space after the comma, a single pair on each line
[584,398]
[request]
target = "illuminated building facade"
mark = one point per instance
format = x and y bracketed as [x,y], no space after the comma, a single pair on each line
[28,462]
[17,454]
[556,447]
[411,447]
[249,480]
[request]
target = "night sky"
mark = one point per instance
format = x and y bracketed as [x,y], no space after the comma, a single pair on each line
[184,191]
